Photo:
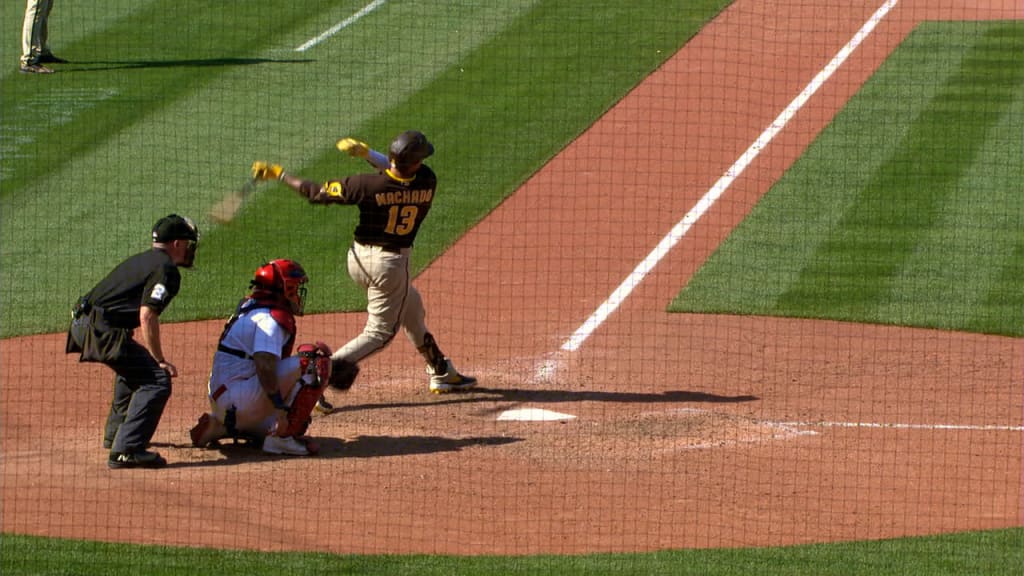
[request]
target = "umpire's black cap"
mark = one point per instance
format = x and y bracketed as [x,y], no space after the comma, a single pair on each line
[173,227]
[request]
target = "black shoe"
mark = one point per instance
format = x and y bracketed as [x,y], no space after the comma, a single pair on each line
[35,69]
[141,459]
[323,406]
[50,58]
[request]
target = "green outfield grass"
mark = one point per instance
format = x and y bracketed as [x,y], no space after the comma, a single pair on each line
[992,553]
[146,122]
[907,209]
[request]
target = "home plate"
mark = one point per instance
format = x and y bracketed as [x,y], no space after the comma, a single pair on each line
[533,415]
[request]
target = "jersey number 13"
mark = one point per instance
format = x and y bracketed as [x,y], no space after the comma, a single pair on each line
[401,219]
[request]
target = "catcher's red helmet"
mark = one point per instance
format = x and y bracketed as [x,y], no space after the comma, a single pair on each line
[284,277]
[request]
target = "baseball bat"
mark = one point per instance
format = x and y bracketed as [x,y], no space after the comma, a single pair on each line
[226,210]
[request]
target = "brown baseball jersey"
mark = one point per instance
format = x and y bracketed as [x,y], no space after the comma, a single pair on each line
[391,209]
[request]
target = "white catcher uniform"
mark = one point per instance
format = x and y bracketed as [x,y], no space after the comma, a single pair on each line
[233,380]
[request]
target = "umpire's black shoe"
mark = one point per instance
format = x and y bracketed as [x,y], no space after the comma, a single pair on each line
[143,459]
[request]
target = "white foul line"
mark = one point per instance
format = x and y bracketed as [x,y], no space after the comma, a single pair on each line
[704,204]
[340,25]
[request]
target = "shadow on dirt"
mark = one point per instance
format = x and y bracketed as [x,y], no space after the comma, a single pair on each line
[243,452]
[376,446]
[478,395]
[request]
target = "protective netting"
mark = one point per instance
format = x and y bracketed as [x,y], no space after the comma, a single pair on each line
[730,274]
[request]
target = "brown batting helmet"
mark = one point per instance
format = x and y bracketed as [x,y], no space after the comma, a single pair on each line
[410,147]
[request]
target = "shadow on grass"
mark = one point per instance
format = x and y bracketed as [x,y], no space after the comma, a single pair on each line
[101,65]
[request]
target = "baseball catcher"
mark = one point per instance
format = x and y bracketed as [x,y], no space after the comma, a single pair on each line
[257,388]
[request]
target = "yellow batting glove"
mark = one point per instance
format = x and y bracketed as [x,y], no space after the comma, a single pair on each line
[264,171]
[353,147]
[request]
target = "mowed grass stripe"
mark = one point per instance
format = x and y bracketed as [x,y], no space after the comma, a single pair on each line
[498,102]
[916,241]
[70,22]
[911,216]
[978,238]
[148,59]
[182,151]
[902,207]
[86,186]
[496,115]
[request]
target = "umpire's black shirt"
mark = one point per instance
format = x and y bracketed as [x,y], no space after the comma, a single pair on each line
[147,279]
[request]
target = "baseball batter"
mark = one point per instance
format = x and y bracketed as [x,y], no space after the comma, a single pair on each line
[393,203]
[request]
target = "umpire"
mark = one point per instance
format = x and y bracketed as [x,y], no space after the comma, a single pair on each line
[103,328]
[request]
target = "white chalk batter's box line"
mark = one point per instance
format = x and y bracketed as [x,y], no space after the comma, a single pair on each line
[549,367]
[871,425]
[876,425]
[898,426]
[539,414]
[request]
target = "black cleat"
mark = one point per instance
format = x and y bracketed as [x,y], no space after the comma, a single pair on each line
[143,459]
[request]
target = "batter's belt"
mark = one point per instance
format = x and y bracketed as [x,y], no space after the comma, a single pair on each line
[383,247]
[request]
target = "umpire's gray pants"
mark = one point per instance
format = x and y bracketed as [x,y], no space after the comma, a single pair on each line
[141,391]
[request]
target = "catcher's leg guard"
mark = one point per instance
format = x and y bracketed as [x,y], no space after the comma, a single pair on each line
[315,362]
[301,410]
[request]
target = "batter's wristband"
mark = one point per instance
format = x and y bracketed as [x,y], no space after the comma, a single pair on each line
[278,401]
